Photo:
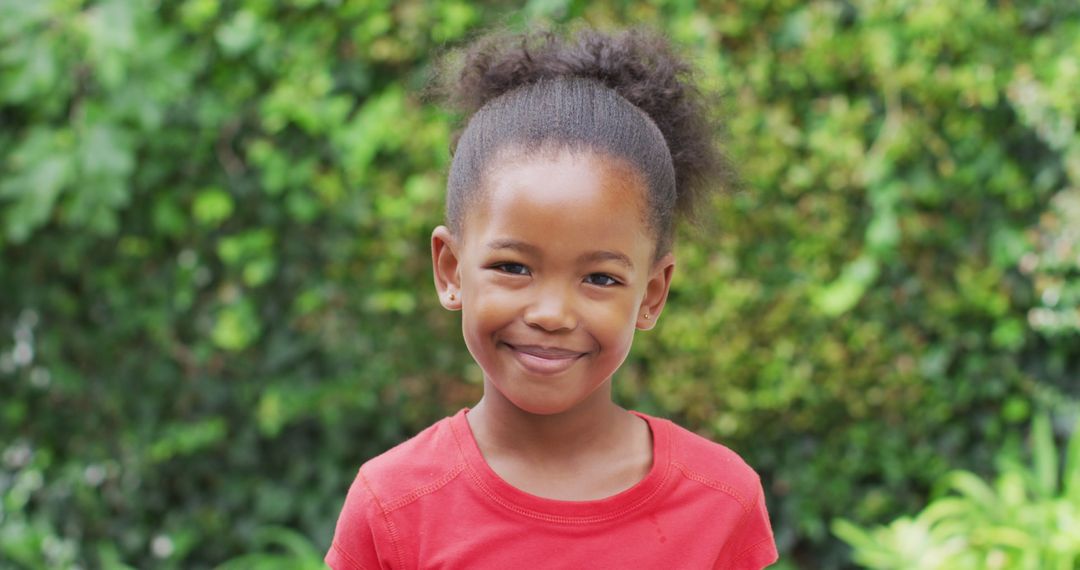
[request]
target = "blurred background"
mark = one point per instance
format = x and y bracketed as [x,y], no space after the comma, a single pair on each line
[216,302]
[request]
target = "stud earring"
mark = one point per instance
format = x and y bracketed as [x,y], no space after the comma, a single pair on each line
[452,297]
[646,315]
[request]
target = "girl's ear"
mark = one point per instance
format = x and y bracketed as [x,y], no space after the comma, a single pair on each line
[444,262]
[656,292]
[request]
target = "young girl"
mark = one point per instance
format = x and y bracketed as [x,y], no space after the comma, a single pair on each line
[561,201]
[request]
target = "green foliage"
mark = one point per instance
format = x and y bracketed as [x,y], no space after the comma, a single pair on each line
[215,292]
[1028,519]
[299,553]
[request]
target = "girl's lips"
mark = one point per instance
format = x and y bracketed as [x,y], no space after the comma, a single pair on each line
[544,360]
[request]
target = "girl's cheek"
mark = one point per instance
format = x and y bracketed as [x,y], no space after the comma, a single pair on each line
[615,319]
[618,307]
[494,303]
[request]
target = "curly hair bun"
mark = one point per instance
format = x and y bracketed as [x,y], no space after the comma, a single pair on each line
[639,65]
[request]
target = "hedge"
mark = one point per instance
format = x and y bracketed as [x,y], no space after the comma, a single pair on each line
[216,299]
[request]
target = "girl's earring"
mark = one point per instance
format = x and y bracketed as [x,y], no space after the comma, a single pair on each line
[452,297]
[646,315]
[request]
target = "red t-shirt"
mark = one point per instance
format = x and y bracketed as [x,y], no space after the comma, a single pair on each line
[433,502]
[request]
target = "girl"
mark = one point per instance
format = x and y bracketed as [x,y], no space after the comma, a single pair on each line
[561,201]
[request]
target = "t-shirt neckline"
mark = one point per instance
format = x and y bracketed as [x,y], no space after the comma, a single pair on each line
[499,491]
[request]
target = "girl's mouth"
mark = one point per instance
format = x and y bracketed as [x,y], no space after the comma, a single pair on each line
[544,360]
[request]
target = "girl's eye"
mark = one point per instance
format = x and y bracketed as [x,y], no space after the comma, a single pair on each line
[512,268]
[601,279]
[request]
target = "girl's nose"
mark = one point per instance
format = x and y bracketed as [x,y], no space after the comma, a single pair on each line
[551,311]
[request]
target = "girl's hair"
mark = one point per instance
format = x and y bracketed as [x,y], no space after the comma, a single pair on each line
[626,96]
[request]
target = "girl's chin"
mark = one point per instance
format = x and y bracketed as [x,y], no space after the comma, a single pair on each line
[543,409]
[546,404]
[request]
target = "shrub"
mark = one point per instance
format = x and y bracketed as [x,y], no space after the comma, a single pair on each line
[215,299]
[1028,519]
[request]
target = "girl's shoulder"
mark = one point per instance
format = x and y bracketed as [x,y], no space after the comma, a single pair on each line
[431,456]
[714,465]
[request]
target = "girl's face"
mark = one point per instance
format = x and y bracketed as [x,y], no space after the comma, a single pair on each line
[553,272]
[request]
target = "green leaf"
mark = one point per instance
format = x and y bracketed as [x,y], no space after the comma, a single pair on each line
[168,217]
[868,550]
[1044,456]
[842,294]
[32,70]
[212,206]
[237,326]
[974,489]
[187,438]
[239,33]
[196,14]
[299,552]
[1071,477]
[40,170]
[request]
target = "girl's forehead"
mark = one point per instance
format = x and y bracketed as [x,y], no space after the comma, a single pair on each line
[563,177]
[566,200]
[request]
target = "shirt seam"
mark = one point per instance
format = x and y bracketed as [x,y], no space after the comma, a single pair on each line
[419,492]
[751,548]
[348,558]
[712,484]
[390,528]
[727,543]
[560,519]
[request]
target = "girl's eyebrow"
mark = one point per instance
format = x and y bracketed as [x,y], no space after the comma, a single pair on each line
[515,245]
[607,255]
[590,257]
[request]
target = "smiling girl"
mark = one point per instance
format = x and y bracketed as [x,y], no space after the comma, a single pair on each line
[563,191]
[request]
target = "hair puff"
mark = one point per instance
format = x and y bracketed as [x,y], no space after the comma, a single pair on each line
[638,64]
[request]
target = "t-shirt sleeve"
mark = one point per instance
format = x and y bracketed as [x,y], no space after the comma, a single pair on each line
[751,546]
[360,533]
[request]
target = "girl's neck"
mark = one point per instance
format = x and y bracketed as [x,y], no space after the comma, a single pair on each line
[502,428]
[592,451]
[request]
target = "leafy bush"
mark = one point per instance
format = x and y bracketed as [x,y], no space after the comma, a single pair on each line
[215,291]
[298,553]
[1028,519]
